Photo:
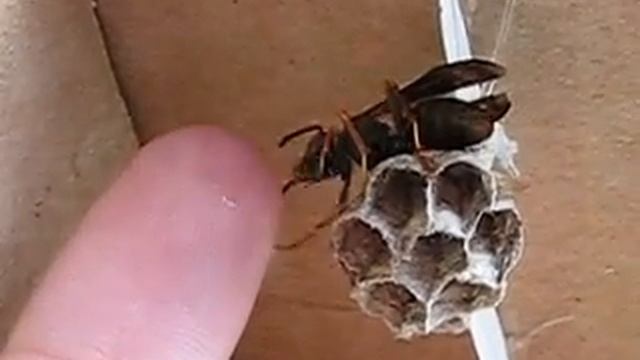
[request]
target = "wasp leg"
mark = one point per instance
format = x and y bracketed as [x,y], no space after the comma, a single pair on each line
[401,112]
[313,232]
[326,146]
[289,184]
[294,134]
[344,193]
[297,243]
[330,219]
[357,139]
[396,104]
[360,144]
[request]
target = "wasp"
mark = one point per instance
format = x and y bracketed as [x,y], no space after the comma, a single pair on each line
[417,117]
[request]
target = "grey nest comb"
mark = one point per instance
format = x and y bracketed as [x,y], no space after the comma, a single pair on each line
[427,245]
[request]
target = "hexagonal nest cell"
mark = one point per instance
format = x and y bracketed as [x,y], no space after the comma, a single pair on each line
[450,310]
[398,196]
[430,262]
[423,248]
[498,236]
[361,250]
[463,189]
[402,311]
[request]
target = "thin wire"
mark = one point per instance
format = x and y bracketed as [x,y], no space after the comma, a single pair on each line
[506,21]
[505,27]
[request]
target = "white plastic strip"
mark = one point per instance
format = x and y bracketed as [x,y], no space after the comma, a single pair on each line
[455,40]
[488,336]
[486,327]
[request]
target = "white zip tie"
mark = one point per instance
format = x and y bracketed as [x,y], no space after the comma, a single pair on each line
[487,335]
[456,42]
[485,325]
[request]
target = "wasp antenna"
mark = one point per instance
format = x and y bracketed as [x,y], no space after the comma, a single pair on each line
[356,137]
[294,134]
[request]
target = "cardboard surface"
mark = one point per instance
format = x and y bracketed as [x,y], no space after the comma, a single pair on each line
[573,76]
[265,67]
[64,134]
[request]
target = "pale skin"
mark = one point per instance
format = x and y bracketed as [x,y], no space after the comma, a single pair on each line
[168,262]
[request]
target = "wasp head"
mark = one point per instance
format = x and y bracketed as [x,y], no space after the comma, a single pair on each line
[316,163]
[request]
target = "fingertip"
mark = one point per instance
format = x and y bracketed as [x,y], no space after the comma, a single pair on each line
[215,154]
[169,260]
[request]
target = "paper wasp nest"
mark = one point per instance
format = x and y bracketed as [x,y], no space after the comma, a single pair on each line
[427,245]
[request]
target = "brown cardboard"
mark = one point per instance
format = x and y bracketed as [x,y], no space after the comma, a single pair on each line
[64,134]
[264,67]
[573,78]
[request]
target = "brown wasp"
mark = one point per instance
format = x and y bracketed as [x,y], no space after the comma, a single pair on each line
[414,118]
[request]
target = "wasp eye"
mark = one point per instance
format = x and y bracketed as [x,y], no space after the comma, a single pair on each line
[308,169]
